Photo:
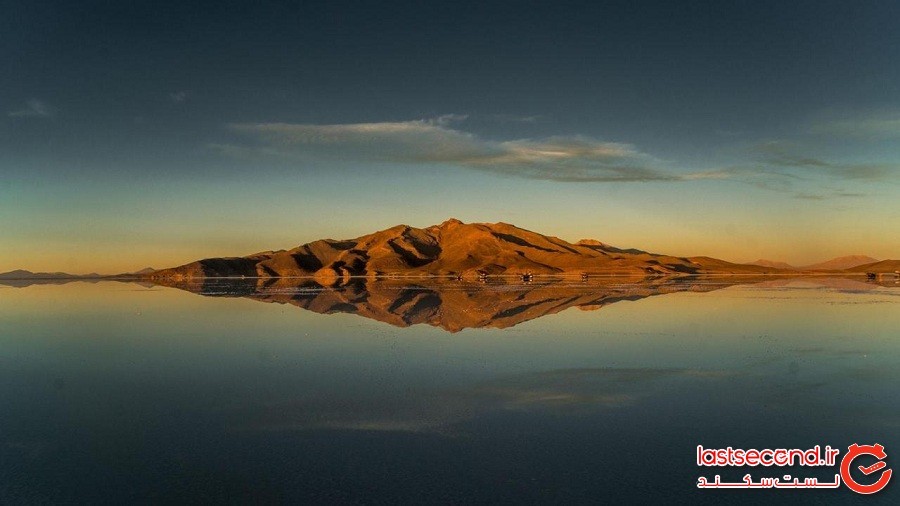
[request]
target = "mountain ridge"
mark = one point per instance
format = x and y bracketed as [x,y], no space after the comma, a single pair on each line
[835,264]
[26,274]
[453,248]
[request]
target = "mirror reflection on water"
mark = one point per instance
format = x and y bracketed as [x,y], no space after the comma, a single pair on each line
[379,391]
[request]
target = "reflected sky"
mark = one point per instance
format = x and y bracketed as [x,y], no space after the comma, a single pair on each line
[121,392]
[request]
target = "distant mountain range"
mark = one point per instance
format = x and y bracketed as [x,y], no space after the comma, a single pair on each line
[882,266]
[22,278]
[454,248]
[773,264]
[835,264]
[23,274]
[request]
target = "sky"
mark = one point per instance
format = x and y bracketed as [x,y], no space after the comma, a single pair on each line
[137,134]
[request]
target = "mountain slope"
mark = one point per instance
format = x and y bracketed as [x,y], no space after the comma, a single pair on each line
[23,274]
[773,264]
[452,248]
[840,263]
[835,264]
[877,267]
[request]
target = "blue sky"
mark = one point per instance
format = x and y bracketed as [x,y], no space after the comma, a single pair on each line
[155,133]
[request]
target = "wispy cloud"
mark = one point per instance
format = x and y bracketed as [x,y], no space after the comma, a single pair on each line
[512,118]
[875,127]
[572,159]
[829,195]
[179,96]
[776,165]
[784,155]
[34,108]
[449,119]
[560,158]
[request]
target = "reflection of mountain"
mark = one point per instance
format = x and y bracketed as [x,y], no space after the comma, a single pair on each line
[847,284]
[452,306]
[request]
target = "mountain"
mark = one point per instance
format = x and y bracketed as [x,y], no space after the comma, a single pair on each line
[452,248]
[21,278]
[23,274]
[840,263]
[773,264]
[835,264]
[878,267]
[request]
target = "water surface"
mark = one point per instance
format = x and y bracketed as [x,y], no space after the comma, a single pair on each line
[415,392]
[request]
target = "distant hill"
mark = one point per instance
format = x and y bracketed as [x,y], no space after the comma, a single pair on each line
[452,248]
[773,264]
[22,278]
[23,274]
[840,263]
[878,267]
[835,264]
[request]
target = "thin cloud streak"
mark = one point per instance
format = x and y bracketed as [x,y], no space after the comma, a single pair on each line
[34,108]
[785,155]
[561,158]
[774,165]
[878,127]
[809,196]
[512,118]
[179,96]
